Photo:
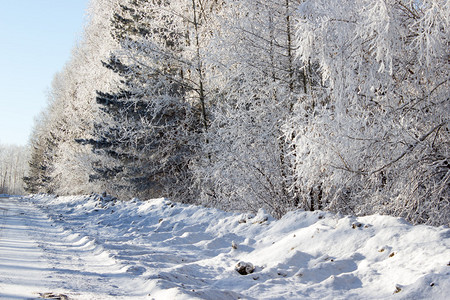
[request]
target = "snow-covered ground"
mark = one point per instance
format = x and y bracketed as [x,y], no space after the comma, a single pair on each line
[94,248]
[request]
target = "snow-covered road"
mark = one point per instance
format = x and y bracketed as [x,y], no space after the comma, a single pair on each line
[89,247]
[23,269]
[40,259]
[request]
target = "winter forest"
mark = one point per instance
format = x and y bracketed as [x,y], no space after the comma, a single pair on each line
[336,105]
[13,167]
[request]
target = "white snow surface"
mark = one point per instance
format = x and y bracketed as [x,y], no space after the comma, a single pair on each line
[85,247]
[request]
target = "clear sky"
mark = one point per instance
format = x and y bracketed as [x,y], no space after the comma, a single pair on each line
[36,39]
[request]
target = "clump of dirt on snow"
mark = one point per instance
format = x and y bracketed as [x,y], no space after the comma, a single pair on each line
[244,268]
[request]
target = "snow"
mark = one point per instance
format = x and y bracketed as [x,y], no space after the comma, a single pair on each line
[87,247]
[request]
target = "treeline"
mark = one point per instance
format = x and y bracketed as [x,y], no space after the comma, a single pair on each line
[13,168]
[242,104]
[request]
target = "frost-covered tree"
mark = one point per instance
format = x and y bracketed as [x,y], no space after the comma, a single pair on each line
[42,148]
[13,168]
[83,75]
[159,112]
[249,165]
[59,164]
[89,76]
[339,105]
[375,138]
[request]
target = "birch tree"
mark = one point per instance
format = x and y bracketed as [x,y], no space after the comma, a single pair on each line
[249,165]
[13,168]
[376,137]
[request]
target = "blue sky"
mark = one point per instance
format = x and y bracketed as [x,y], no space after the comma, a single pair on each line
[36,39]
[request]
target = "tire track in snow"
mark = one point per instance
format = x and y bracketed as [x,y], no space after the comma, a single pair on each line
[48,258]
[23,270]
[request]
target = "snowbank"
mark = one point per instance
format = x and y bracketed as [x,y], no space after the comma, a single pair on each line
[184,251]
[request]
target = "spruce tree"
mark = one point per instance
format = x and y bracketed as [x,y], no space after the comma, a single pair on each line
[149,130]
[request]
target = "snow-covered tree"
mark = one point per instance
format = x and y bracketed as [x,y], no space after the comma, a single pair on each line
[42,148]
[13,168]
[249,165]
[59,164]
[159,112]
[339,105]
[375,137]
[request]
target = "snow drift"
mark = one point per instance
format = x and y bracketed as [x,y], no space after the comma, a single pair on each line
[167,250]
